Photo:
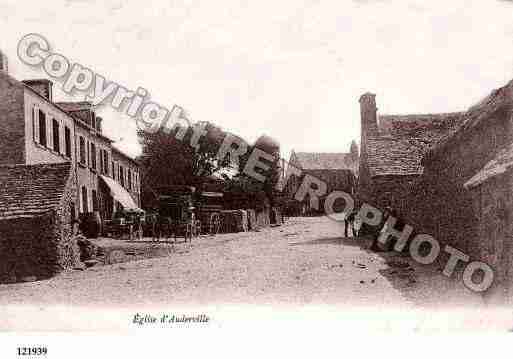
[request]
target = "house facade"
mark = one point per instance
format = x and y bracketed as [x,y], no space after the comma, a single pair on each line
[338,170]
[450,176]
[37,130]
[465,190]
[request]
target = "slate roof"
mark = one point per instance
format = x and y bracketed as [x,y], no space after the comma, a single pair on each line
[31,190]
[325,161]
[402,141]
[499,165]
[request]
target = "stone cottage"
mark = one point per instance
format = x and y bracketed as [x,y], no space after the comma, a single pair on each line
[464,195]
[392,147]
[37,205]
[338,170]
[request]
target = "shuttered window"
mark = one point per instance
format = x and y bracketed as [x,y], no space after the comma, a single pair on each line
[82,150]
[42,128]
[85,206]
[56,136]
[35,123]
[67,141]
[93,156]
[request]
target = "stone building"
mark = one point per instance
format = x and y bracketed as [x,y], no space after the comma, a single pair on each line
[37,130]
[464,193]
[338,170]
[392,147]
[37,205]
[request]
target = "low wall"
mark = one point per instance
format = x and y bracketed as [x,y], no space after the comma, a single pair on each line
[35,248]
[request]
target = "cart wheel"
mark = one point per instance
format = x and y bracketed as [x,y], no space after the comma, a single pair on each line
[215,223]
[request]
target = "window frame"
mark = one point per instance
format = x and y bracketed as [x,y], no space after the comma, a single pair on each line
[82,151]
[42,125]
[67,141]
[56,130]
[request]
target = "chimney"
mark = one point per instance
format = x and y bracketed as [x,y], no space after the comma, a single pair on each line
[41,86]
[3,63]
[368,113]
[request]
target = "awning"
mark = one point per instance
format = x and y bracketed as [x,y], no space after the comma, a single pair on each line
[119,193]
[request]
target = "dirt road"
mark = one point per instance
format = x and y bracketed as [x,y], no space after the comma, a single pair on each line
[306,261]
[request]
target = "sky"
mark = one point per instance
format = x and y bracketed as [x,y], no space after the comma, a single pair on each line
[293,70]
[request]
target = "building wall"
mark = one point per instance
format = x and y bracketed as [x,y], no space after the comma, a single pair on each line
[342,180]
[35,152]
[12,143]
[134,186]
[493,205]
[391,191]
[87,178]
[39,246]
[441,205]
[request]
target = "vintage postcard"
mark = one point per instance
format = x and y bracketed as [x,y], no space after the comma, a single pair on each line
[174,167]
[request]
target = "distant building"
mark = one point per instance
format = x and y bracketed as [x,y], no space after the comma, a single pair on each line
[338,170]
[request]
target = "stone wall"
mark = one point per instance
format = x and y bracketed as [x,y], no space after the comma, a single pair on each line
[440,205]
[12,130]
[34,247]
[40,246]
[393,191]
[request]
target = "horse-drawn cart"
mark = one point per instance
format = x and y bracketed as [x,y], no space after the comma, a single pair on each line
[176,213]
[210,205]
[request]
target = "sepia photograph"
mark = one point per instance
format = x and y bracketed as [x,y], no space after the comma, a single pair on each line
[170,168]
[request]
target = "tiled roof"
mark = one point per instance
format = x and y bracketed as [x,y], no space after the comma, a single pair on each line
[31,190]
[500,164]
[402,141]
[326,161]
[499,100]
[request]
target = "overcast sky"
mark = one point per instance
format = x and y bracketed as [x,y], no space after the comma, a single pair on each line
[291,69]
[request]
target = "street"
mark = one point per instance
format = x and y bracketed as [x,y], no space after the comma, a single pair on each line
[305,261]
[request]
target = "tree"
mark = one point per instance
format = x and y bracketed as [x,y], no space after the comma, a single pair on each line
[168,160]
[258,193]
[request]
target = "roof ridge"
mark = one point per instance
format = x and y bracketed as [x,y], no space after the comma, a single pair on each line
[421,114]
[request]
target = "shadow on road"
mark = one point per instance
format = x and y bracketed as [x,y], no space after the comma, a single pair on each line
[348,241]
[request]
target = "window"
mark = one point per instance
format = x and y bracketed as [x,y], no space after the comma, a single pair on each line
[82,150]
[72,213]
[113,170]
[67,141]
[42,128]
[93,156]
[102,167]
[122,175]
[35,124]
[56,136]
[105,162]
[85,207]
[95,200]
[129,184]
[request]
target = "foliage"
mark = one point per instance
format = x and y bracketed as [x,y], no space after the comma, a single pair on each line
[167,160]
